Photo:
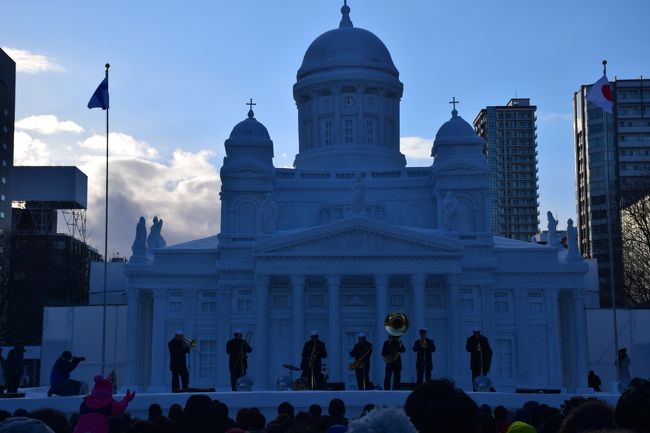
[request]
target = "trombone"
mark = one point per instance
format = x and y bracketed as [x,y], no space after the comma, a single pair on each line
[191,343]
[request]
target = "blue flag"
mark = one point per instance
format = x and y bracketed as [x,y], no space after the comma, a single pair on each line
[100,97]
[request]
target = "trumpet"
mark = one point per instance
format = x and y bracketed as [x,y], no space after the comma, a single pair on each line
[190,343]
[423,343]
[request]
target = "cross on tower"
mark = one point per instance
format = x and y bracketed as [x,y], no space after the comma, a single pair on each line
[250,104]
[454,102]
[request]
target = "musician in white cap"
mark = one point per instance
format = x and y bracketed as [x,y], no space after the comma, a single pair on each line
[311,365]
[361,353]
[424,348]
[237,349]
[178,349]
[480,354]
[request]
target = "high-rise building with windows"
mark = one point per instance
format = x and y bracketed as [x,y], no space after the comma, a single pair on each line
[7,116]
[626,162]
[510,135]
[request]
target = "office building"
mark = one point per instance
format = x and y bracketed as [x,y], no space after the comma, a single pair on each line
[626,162]
[509,133]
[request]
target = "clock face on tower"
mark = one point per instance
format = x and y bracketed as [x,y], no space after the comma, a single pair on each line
[348,102]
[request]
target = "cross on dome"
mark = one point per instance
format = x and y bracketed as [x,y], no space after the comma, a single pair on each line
[250,110]
[453,101]
[345,20]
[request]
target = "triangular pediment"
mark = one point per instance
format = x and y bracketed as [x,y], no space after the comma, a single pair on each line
[360,237]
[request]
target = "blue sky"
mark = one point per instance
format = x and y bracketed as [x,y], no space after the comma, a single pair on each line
[181,73]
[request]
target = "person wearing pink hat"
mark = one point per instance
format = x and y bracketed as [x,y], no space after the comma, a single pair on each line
[99,406]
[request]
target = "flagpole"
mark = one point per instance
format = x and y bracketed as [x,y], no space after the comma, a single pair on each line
[612,284]
[105,249]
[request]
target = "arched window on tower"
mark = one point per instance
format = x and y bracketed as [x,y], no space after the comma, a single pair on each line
[246,217]
[371,130]
[349,130]
[326,127]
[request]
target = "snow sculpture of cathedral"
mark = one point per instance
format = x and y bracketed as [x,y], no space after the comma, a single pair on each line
[349,234]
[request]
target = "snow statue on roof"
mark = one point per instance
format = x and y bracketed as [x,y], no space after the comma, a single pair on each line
[155,239]
[358,196]
[269,214]
[572,240]
[552,229]
[139,247]
[450,212]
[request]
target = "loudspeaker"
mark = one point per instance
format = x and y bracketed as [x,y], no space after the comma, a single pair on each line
[537,391]
[334,386]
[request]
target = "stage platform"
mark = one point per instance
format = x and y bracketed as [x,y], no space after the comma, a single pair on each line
[267,401]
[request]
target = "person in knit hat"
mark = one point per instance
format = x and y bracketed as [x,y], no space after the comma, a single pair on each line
[19,424]
[382,420]
[99,406]
[521,427]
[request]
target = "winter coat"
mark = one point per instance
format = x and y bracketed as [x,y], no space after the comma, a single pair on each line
[177,351]
[479,360]
[390,347]
[15,364]
[61,370]
[424,359]
[238,351]
[95,411]
[319,353]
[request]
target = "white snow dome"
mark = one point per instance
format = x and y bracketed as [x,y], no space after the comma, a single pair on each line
[457,138]
[346,47]
[249,138]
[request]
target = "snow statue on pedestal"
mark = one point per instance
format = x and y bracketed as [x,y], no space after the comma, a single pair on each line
[572,239]
[552,229]
[269,214]
[358,197]
[450,212]
[139,247]
[155,239]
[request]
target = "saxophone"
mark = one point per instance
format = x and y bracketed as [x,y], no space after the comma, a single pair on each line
[358,363]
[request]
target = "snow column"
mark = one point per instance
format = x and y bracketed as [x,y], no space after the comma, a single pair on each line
[381,296]
[581,339]
[298,313]
[419,301]
[158,343]
[456,346]
[133,335]
[261,329]
[554,350]
[334,353]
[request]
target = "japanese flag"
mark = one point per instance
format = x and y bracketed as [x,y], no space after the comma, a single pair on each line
[600,94]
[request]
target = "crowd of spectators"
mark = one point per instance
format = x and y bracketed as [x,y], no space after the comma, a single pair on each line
[437,407]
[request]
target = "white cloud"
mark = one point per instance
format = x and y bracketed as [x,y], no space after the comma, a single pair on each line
[554,117]
[183,189]
[416,147]
[48,124]
[30,151]
[32,63]
[120,146]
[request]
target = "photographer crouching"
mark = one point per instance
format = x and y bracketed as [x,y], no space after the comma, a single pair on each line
[60,382]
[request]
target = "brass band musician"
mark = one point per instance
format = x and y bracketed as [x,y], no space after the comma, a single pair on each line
[361,353]
[311,365]
[480,354]
[424,347]
[178,350]
[237,349]
[392,354]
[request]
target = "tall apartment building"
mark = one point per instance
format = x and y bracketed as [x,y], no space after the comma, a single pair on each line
[7,116]
[510,135]
[628,160]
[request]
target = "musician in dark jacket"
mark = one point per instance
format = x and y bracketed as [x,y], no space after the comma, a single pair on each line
[361,353]
[178,348]
[424,347]
[237,350]
[391,352]
[480,354]
[312,353]
[15,367]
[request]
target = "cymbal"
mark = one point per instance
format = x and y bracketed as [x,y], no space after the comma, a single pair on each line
[290,367]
